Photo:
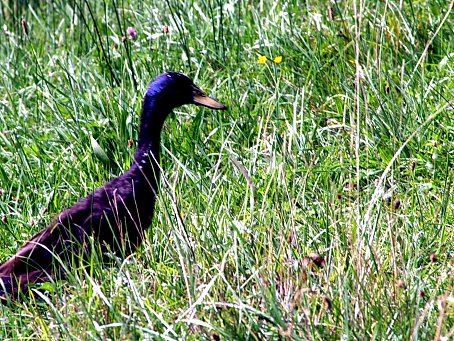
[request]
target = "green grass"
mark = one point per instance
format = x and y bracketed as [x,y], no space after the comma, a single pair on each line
[348,143]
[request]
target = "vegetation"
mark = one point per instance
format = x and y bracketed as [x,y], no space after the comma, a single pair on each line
[319,206]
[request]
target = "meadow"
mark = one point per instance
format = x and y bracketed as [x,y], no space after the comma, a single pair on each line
[319,206]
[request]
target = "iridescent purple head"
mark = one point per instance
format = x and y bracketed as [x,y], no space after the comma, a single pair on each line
[175,89]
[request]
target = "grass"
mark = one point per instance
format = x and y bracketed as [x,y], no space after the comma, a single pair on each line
[319,206]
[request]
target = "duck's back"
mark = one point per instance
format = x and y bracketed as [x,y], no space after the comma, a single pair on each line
[116,215]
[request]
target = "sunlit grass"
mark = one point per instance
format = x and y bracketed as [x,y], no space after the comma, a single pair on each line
[319,206]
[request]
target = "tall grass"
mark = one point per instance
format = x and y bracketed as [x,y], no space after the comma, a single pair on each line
[319,206]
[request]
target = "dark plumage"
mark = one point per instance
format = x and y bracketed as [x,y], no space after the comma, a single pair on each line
[116,214]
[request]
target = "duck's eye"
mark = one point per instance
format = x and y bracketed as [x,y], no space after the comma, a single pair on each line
[198,92]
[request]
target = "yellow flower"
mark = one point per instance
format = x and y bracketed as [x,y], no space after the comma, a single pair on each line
[262,60]
[278,59]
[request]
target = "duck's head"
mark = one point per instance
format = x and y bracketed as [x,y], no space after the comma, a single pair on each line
[174,89]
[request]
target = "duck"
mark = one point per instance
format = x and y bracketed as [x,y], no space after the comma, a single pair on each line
[115,215]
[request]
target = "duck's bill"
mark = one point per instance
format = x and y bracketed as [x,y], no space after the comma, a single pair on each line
[200,98]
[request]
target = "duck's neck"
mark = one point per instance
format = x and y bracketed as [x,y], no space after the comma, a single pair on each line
[154,113]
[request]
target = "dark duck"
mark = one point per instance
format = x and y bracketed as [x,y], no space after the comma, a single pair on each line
[115,215]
